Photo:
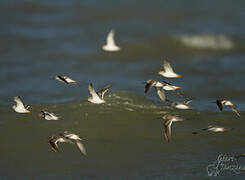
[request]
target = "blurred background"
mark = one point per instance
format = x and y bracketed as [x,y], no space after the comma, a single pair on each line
[204,41]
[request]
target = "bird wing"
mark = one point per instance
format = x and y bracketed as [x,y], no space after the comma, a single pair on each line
[70,135]
[148,85]
[187,102]
[102,92]
[92,91]
[219,104]
[62,79]
[167,66]
[53,142]
[167,128]
[19,102]
[167,83]
[69,80]
[53,116]
[27,107]
[235,110]
[110,38]
[81,147]
[161,93]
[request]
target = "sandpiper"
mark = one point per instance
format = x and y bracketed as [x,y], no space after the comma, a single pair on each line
[165,85]
[97,97]
[181,105]
[75,137]
[169,119]
[211,128]
[68,137]
[48,116]
[110,42]
[223,102]
[20,107]
[168,71]
[66,80]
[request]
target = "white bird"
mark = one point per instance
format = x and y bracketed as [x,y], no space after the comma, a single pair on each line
[165,85]
[212,128]
[66,80]
[20,107]
[168,71]
[169,119]
[97,97]
[68,137]
[223,102]
[110,42]
[181,105]
[48,116]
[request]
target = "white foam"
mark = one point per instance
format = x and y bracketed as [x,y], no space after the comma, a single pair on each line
[207,41]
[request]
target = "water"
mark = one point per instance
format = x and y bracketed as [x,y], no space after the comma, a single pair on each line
[204,42]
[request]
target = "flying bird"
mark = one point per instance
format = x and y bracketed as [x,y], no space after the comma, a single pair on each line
[211,128]
[66,80]
[168,71]
[97,97]
[223,102]
[20,107]
[169,119]
[181,105]
[158,87]
[67,137]
[48,116]
[110,42]
[165,85]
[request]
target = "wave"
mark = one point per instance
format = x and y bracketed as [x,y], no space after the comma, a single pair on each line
[207,41]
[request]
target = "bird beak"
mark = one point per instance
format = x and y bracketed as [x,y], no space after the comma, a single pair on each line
[179,76]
